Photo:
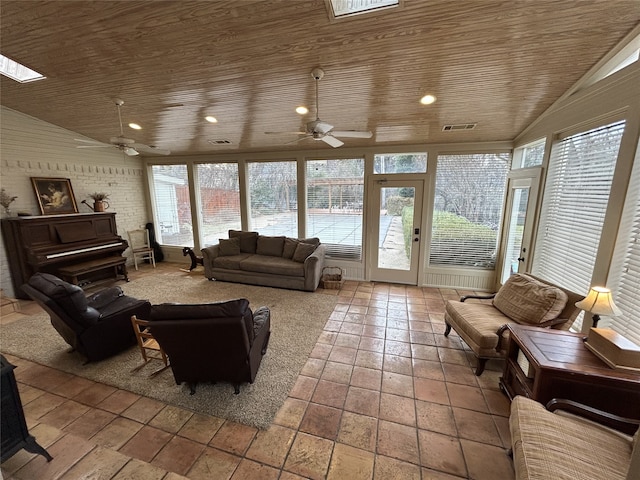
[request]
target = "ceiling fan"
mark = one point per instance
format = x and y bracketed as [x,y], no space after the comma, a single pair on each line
[122,143]
[319,130]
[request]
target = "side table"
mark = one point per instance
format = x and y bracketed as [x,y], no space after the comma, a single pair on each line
[543,364]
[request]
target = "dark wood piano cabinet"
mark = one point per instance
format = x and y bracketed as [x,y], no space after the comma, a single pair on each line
[47,243]
[14,432]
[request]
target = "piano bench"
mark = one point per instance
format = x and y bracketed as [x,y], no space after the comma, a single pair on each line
[72,272]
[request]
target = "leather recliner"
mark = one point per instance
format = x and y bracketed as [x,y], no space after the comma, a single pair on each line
[211,342]
[97,326]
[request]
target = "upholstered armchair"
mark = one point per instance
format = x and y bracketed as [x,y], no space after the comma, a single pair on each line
[97,326]
[523,299]
[212,342]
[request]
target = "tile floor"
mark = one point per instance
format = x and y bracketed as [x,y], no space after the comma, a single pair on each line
[384,395]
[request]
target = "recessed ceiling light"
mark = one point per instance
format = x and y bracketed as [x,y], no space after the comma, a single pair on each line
[427,100]
[211,119]
[17,71]
[135,126]
[302,110]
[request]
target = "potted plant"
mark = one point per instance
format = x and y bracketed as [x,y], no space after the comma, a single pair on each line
[6,200]
[99,201]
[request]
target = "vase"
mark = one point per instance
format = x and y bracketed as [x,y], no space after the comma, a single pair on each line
[99,206]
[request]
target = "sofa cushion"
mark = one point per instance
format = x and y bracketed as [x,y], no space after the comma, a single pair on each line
[229,246]
[303,250]
[273,265]
[290,245]
[527,300]
[232,262]
[248,240]
[479,321]
[272,246]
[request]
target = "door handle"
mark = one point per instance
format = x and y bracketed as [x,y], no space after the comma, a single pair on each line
[521,259]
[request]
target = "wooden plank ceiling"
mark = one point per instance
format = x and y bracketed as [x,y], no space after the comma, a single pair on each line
[248,63]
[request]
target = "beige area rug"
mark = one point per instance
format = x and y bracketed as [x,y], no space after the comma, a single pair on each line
[297,319]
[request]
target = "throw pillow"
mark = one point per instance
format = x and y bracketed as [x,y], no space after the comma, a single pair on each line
[527,300]
[303,250]
[228,247]
[289,249]
[271,246]
[248,240]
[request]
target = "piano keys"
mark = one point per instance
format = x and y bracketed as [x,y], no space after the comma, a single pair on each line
[48,243]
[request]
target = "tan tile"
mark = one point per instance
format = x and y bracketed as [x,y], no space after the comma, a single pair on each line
[351,340]
[459,374]
[428,369]
[214,464]
[441,452]
[146,443]
[391,469]
[489,380]
[72,387]
[502,424]
[233,437]
[118,401]
[178,455]
[66,451]
[309,456]
[431,390]
[497,402]
[143,410]
[29,393]
[138,470]
[94,395]
[321,351]
[43,377]
[330,393]
[117,433]
[42,405]
[449,355]
[359,431]
[369,378]
[171,419]
[290,476]
[397,364]
[397,335]
[90,423]
[397,384]
[337,372]
[321,420]
[201,428]
[343,355]
[428,474]
[360,400]
[64,414]
[425,352]
[398,441]
[436,418]
[372,344]
[468,397]
[303,388]
[313,368]
[486,462]
[373,331]
[99,463]
[254,471]
[352,463]
[45,435]
[476,426]
[369,359]
[422,338]
[291,413]
[271,446]
[395,408]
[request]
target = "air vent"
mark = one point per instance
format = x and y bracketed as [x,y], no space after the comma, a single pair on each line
[458,126]
[219,142]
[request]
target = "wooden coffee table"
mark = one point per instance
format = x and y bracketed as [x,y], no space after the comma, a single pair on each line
[543,364]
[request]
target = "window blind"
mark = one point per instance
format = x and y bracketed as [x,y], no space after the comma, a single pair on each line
[575,202]
[624,275]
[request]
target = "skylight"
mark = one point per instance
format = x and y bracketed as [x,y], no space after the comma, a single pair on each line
[343,8]
[17,71]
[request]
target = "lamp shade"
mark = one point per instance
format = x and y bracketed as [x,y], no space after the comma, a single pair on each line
[599,301]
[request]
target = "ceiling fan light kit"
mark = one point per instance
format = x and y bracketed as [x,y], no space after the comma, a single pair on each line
[320,130]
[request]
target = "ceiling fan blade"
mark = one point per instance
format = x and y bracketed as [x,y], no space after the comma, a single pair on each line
[351,133]
[285,133]
[93,142]
[93,146]
[150,149]
[299,139]
[334,142]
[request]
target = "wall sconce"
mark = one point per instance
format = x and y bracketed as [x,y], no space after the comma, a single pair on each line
[598,302]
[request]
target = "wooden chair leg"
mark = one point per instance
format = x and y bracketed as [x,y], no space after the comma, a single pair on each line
[480,367]
[447,329]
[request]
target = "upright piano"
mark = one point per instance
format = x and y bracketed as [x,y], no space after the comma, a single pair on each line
[50,243]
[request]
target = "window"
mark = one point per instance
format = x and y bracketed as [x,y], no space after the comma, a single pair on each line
[469,197]
[172,206]
[335,194]
[529,155]
[624,276]
[341,8]
[220,200]
[575,202]
[272,198]
[400,163]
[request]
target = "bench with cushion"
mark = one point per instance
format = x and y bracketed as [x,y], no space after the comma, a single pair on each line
[523,299]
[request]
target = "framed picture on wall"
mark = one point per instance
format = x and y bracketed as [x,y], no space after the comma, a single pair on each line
[55,195]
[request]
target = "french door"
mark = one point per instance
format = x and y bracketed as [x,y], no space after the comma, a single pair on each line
[522,195]
[394,238]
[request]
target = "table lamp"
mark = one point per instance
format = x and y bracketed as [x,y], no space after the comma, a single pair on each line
[599,301]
